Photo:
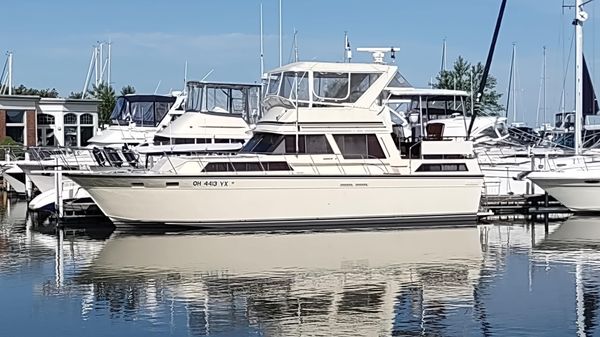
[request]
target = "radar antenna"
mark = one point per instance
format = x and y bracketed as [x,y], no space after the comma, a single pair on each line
[379,53]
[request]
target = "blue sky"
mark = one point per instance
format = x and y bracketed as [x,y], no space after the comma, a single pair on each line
[52,40]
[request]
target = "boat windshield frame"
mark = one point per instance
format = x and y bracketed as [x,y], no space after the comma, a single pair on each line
[143,110]
[317,89]
[226,98]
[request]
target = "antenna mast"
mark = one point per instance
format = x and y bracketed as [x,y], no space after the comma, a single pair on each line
[10,72]
[580,17]
[280,37]
[262,42]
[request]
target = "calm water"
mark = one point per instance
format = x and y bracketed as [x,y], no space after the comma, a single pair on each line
[504,280]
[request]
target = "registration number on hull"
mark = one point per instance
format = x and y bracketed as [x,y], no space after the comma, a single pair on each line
[212,183]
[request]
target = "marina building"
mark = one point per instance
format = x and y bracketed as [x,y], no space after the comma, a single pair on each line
[36,121]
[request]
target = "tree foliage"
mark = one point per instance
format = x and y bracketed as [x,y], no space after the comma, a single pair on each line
[23,90]
[459,78]
[76,94]
[106,95]
[128,89]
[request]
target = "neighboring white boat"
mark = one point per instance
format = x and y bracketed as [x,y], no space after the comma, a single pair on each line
[136,118]
[577,190]
[322,154]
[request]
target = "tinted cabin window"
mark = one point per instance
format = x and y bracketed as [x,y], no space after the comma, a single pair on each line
[263,143]
[218,167]
[247,167]
[277,166]
[184,140]
[308,144]
[359,146]
[442,168]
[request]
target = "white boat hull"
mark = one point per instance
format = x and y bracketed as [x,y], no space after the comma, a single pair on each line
[209,201]
[579,191]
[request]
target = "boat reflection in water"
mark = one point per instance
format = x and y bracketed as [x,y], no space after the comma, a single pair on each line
[577,242]
[373,283]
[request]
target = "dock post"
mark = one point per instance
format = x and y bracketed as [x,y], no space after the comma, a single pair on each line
[58,188]
[28,183]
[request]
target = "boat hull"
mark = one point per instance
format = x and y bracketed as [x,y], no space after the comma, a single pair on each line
[578,192]
[220,201]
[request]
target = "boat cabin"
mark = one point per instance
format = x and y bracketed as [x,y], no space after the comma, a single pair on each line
[141,110]
[232,98]
[215,113]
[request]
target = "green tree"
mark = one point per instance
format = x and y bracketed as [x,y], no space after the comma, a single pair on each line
[128,89]
[460,77]
[76,94]
[23,90]
[106,95]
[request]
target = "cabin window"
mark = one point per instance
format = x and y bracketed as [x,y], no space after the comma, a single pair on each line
[247,167]
[331,86]
[288,86]
[442,168]
[308,144]
[359,83]
[160,110]
[222,140]
[218,167]
[263,143]
[183,140]
[276,166]
[359,146]
[203,141]
[274,80]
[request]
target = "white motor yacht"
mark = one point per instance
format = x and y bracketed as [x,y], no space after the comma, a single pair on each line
[213,122]
[136,118]
[324,153]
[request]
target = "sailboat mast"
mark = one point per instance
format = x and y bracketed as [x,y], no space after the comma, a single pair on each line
[510,82]
[514,75]
[580,18]
[544,88]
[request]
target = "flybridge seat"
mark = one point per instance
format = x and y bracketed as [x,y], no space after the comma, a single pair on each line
[435,131]
[111,157]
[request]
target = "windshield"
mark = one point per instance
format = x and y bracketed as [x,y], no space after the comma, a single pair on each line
[143,110]
[224,98]
[328,87]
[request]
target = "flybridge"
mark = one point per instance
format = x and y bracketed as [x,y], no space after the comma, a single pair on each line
[143,110]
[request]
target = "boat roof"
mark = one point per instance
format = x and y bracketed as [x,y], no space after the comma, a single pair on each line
[333,67]
[224,84]
[408,91]
[149,98]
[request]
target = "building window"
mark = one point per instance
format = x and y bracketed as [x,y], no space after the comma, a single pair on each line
[87,132]
[15,116]
[359,146]
[15,125]
[45,119]
[86,119]
[16,133]
[70,119]
[70,135]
